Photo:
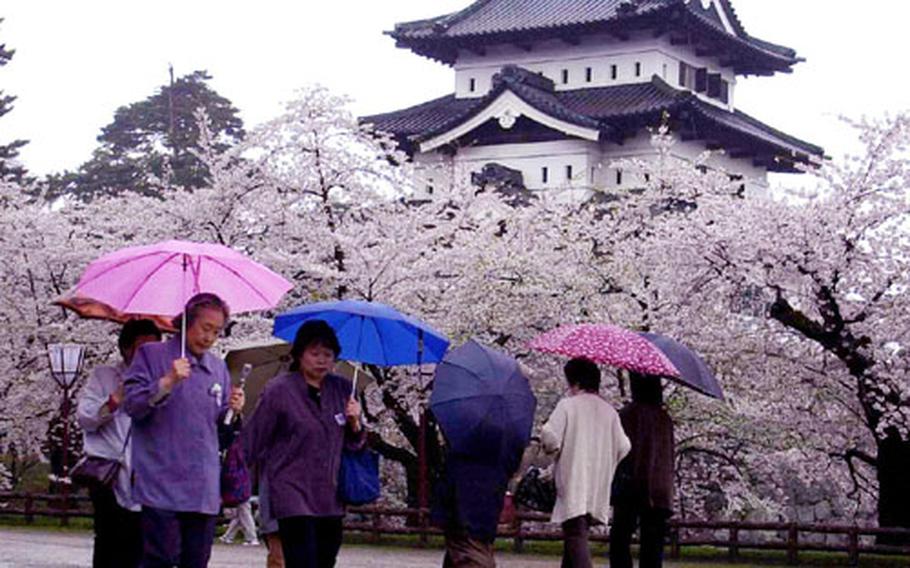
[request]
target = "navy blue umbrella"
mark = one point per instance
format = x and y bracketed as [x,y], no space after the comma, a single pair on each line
[369,332]
[483,404]
[693,372]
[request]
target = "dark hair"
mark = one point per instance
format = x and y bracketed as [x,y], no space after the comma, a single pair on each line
[583,373]
[646,389]
[134,329]
[199,302]
[313,332]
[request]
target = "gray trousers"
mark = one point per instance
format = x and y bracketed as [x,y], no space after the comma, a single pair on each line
[243,520]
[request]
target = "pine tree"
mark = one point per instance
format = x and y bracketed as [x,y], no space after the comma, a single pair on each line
[9,169]
[152,142]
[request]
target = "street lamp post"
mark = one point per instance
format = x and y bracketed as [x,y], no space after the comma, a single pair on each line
[66,364]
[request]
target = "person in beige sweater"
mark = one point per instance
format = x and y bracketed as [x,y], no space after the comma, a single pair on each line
[587,436]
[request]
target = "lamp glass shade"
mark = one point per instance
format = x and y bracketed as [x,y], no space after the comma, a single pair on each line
[66,362]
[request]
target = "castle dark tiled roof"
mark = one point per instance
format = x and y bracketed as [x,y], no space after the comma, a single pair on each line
[497,16]
[410,122]
[615,111]
[503,21]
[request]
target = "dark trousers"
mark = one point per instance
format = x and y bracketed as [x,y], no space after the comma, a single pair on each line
[651,544]
[310,542]
[118,534]
[173,538]
[575,550]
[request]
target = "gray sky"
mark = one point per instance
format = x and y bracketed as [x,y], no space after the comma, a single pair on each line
[76,62]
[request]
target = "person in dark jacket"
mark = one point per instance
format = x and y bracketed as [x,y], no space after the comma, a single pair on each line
[643,487]
[295,437]
[468,501]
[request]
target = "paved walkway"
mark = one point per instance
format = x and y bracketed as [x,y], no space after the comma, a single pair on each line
[30,548]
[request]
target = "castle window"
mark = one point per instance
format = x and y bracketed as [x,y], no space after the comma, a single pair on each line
[618,177]
[592,175]
[613,72]
[714,85]
[544,174]
[664,74]
[690,76]
[701,80]
[724,91]
[638,68]
[472,84]
[588,74]
[565,76]
[569,172]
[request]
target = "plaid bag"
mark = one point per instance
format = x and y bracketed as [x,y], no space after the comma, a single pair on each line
[236,486]
[536,490]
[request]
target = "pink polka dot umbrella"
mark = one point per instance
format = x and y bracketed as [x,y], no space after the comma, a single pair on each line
[608,344]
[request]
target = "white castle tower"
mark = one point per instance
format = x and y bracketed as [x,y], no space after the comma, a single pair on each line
[555,90]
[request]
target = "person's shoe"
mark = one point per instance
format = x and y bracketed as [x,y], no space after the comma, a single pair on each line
[224,540]
[251,543]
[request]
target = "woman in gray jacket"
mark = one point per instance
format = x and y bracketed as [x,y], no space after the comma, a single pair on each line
[106,427]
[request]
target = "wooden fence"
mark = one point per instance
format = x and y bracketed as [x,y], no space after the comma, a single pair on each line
[733,536]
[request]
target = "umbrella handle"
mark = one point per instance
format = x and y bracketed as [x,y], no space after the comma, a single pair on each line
[183,319]
[183,334]
[354,384]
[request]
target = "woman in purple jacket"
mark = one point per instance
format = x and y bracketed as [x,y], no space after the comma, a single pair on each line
[303,421]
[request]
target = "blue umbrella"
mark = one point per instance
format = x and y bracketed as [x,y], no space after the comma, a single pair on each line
[483,404]
[693,372]
[369,332]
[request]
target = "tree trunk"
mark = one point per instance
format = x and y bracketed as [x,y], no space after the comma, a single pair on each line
[894,489]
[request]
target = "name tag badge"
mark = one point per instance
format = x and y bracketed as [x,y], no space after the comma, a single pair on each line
[340,419]
[215,391]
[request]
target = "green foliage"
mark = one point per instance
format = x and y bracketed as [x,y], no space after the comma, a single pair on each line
[9,170]
[153,143]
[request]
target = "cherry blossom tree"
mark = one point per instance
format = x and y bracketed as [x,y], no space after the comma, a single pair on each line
[797,303]
[822,277]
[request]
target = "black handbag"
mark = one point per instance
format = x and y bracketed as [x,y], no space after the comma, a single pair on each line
[536,491]
[95,472]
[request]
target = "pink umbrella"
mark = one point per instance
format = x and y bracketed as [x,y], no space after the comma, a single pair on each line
[603,343]
[160,278]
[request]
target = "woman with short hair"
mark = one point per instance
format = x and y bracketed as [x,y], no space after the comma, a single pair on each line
[178,394]
[585,433]
[106,433]
[303,421]
[643,496]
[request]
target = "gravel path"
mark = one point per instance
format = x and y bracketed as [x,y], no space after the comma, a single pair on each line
[29,548]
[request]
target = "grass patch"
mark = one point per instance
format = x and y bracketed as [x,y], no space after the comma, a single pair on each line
[76,524]
[691,557]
